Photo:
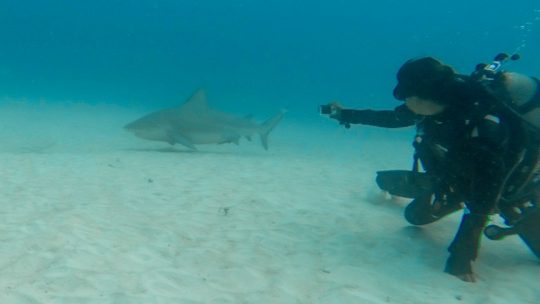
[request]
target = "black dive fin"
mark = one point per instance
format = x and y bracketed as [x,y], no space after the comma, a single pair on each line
[405,183]
[527,228]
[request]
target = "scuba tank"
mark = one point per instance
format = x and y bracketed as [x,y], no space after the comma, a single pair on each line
[492,77]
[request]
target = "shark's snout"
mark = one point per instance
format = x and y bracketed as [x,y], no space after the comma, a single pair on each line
[133,126]
[134,129]
[129,126]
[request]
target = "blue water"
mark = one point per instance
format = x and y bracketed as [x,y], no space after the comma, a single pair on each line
[254,54]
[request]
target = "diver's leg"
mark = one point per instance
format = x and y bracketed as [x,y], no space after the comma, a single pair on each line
[523,217]
[464,247]
[529,230]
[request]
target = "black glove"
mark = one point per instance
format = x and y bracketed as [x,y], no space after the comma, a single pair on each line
[336,112]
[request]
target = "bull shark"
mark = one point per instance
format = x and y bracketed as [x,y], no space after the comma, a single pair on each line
[194,123]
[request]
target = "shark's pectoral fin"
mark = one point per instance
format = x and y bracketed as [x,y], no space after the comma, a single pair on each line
[232,139]
[178,138]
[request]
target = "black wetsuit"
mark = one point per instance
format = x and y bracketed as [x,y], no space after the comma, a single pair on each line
[468,148]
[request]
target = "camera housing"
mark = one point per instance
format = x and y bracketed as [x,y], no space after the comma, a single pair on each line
[325,109]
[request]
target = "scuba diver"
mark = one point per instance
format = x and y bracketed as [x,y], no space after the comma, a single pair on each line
[477,141]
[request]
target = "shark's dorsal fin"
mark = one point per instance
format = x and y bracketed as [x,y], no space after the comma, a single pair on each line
[196,103]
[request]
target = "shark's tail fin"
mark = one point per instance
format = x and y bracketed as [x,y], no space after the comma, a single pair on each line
[268,126]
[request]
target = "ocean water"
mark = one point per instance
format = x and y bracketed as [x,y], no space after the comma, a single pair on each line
[91,214]
[284,54]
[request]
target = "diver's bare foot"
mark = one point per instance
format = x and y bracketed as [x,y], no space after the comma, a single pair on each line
[467,277]
[460,268]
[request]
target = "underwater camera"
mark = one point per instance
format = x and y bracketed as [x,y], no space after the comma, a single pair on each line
[326,109]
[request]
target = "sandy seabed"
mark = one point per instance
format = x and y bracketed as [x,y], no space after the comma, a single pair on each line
[90,214]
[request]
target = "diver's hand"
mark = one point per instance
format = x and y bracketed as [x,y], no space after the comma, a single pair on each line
[336,110]
[461,268]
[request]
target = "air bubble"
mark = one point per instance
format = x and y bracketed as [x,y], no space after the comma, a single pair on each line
[527,28]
